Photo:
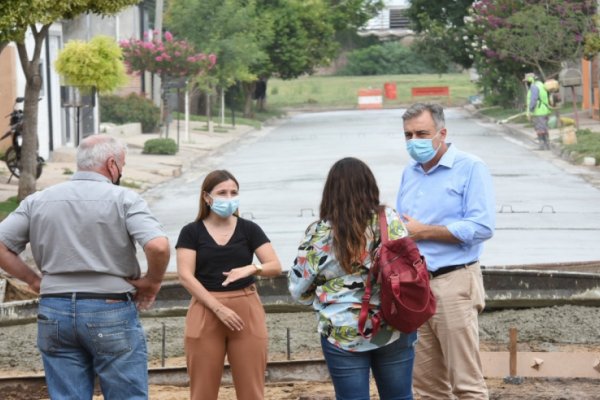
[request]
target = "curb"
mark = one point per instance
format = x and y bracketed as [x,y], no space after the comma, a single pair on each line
[142,171]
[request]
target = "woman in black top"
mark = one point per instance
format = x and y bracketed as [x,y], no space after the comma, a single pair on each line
[215,264]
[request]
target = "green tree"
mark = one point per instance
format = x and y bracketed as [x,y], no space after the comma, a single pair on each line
[442,35]
[541,34]
[97,63]
[352,14]
[262,38]
[304,37]
[16,18]
[510,38]
[231,29]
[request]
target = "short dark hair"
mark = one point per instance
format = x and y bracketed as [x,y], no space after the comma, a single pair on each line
[436,111]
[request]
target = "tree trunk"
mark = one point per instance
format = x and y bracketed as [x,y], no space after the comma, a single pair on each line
[208,113]
[33,85]
[248,88]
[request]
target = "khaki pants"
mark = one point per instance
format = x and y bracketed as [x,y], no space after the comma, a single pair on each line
[447,362]
[207,341]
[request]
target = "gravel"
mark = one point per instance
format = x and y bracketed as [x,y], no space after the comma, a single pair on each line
[540,329]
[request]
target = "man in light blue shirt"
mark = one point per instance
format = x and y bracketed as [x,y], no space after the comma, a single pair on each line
[446,199]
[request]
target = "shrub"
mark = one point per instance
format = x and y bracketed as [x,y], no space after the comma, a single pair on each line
[133,108]
[160,146]
[389,58]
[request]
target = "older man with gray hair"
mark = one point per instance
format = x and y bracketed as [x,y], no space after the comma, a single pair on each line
[82,235]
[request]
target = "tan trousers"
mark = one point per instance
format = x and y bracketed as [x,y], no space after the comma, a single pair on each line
[447,362]
[207,341]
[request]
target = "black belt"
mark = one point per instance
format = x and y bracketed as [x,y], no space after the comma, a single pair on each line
[88,296]
[450,268]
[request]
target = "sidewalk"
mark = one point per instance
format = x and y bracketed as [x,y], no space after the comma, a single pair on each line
[142,171]
[557,153]
[527,132]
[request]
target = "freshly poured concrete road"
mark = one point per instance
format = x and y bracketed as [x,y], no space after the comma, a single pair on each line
[546,212]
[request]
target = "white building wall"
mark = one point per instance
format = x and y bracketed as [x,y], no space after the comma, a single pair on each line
[380,24]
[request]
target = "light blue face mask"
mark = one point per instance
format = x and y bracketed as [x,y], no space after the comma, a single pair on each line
[421,150]
[224,207]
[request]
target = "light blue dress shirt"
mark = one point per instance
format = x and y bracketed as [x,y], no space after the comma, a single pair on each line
[457,193]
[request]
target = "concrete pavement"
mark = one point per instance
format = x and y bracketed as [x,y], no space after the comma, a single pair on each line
[142,171]
[591,173]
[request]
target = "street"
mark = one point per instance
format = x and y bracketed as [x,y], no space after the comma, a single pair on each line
[546,212]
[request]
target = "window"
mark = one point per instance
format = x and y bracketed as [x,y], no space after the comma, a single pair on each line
[398,20]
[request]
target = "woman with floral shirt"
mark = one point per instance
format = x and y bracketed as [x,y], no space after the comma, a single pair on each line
[330,273]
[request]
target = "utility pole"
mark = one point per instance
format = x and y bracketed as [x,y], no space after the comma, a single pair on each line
[156,83]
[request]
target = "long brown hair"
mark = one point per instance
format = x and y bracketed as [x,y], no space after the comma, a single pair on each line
[212,180]
[349,199]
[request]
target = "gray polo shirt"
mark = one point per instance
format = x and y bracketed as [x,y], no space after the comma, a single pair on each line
[82,234]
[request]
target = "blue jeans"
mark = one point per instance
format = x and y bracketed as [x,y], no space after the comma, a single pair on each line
[392,367]
[80,339]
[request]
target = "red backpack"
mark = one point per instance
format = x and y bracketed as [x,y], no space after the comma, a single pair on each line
[405,296]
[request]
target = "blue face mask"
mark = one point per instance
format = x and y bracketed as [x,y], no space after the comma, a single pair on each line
[224,207]
[421,150]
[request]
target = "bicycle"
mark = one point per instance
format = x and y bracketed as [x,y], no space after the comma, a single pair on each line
[12,157]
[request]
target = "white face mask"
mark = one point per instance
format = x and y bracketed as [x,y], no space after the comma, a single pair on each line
[224,207]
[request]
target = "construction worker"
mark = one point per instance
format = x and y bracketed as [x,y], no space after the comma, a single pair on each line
[538,107]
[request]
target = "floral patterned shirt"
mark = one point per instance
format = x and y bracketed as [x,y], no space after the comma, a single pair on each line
[317,278]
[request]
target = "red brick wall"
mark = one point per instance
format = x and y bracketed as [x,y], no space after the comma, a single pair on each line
[8,65]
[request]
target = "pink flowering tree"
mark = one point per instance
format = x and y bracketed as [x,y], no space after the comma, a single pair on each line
[163,55]
[166,57]
[506,38]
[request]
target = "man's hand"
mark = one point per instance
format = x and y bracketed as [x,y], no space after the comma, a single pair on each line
[415,228]
[147,289]
[15,266]
[420,231]
[157,253]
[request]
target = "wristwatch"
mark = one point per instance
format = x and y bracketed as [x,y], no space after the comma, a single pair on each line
[258,267]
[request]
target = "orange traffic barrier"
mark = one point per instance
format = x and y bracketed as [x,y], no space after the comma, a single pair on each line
[430,91]
[389,89]
[369,99]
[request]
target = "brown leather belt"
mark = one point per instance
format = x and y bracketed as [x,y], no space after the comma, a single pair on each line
[450,268]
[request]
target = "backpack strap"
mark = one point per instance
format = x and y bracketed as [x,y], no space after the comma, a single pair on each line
[373,273]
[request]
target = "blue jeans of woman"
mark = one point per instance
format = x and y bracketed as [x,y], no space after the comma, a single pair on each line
[392,367]
[80,339]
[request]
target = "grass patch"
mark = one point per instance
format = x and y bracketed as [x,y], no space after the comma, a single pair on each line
[8,206]
[499,113]
[588,145]
[342,91]
[239,120]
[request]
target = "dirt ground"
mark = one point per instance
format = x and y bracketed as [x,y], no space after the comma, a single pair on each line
[542,329]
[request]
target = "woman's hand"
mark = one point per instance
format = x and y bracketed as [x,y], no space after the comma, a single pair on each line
[238,273]
[229,318]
